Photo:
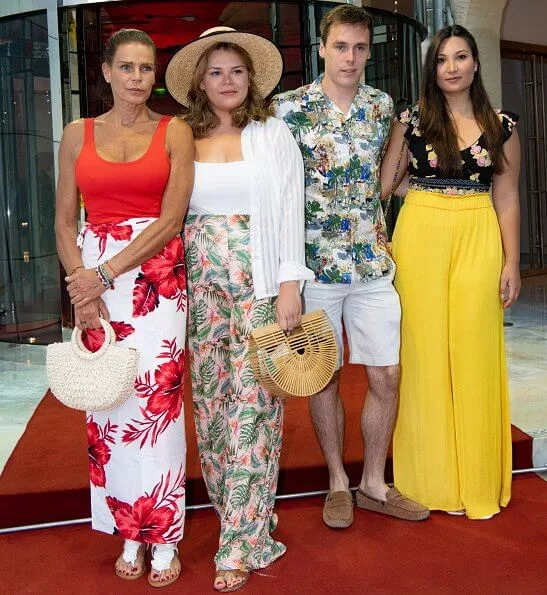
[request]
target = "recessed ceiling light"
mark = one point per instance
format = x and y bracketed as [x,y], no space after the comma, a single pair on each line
[189,17]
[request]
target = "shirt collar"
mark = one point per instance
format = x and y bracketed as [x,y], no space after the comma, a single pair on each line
[316,94]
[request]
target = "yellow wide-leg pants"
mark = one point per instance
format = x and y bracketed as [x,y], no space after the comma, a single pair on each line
[452,441]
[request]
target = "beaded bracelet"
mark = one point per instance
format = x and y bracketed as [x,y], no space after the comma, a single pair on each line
[105,273]
[104,278]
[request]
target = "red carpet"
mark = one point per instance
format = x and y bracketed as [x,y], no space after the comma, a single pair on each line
[46,478]
[376,556]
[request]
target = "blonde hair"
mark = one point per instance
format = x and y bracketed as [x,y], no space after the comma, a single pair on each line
[200,114]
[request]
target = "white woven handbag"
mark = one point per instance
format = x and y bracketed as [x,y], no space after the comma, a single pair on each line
[90,381]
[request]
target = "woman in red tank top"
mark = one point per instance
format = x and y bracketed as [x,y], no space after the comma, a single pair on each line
[134,169]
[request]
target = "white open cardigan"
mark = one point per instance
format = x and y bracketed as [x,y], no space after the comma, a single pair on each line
[277,206]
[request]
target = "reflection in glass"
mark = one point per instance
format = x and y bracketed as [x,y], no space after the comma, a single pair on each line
[29,270]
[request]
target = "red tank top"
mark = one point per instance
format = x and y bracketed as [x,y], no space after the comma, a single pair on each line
[115,191]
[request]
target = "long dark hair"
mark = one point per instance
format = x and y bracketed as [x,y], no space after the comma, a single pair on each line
[118,38]
[200,114]
[435,122]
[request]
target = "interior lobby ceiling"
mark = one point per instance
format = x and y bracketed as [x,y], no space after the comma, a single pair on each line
[172,24]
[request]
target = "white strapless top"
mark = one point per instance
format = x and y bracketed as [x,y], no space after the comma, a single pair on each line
[221,188]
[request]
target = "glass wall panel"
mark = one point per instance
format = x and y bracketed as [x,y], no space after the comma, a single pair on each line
[29,269]
[524,76]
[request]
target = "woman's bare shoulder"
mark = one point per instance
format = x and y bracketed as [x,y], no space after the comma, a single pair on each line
[179,129]
[73,136]
[75,128]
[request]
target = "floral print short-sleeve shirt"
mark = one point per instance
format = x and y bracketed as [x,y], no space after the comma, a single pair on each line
[345,226]
[477,171]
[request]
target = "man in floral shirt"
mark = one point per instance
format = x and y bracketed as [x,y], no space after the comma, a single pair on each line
[342,127]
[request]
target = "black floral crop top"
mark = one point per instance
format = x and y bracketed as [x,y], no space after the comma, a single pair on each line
[477,170]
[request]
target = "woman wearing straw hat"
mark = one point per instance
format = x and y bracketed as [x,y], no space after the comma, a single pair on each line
[244,237]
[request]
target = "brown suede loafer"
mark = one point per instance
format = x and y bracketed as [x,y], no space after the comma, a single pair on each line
[338,510]
[395,505]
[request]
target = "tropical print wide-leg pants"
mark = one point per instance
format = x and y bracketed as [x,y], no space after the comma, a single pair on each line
[137,452]
[238,423]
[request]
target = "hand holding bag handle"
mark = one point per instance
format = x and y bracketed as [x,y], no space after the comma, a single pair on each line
[298,364]
[82,351]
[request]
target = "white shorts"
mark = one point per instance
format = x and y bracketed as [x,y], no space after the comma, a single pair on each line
[372,318]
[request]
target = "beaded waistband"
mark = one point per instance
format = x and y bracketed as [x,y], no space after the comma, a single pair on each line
[448,186]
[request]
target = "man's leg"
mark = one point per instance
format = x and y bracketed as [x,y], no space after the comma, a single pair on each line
[327,411]
[328,418]
[377,423]
[372,317]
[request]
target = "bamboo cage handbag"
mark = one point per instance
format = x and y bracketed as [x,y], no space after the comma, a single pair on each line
[298,364]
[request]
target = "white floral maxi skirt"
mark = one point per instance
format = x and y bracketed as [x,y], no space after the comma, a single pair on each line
[137,452]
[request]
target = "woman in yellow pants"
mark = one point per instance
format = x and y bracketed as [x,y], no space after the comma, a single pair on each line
[456,246]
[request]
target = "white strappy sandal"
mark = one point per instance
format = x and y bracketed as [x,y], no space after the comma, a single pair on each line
[165,556]
[130,555]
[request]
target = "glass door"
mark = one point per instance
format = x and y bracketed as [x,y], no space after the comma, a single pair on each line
[523,83]
[29,269]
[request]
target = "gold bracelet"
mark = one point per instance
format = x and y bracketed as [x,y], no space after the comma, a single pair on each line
[80,266]
[107,263]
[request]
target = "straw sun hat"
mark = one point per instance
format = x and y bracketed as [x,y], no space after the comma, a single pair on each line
[266,58]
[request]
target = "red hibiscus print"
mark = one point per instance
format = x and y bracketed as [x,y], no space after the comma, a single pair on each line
[142,521]
[145,296]
[163,397]
[93,338]
[166,272]
[167,398]
[153,518]
[98,450]
[117,231]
